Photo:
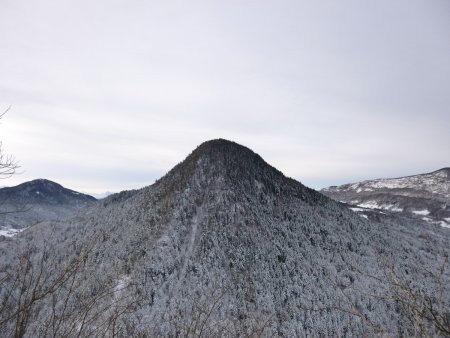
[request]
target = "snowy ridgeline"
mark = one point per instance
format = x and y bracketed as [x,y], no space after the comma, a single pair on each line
[424,197]
[437,182]
[37,201]
[224,245]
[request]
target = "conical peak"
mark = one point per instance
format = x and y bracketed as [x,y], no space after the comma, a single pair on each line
[219,153]
[221,144]
[229,156]
[227,163]
[221,147]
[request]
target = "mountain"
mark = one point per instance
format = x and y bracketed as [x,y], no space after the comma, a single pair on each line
[424,196]
[224,245]
[36,201]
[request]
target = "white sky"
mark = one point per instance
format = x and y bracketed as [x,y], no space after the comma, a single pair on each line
[109,95]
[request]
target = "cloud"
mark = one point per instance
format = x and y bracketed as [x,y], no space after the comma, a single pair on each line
[114,93]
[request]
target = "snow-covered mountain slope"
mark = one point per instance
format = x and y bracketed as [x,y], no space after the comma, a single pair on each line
[224,245]
[36,201]
[425,196]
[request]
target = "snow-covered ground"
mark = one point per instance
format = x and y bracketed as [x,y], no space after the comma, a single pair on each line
[122,283]
[357,209]
[375,205]
[445,224]
[361,208]
[421,212]
[9,232]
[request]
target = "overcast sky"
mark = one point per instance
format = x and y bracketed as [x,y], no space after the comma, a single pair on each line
[108,95]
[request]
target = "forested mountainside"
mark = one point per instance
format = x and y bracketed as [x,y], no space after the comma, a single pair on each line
[225,245]
[36,201]
[424,196]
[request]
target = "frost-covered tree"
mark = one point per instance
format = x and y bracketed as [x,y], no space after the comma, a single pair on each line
[424,302]
[223,245]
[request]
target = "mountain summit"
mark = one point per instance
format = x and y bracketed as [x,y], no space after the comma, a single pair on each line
[36,201]
[43,191]
[224,245]
[226,159]
[230,166]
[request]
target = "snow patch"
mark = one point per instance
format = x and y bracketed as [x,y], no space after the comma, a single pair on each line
[354,186]
[444,224]
[122,283]
[375,205]
[370,205]
[164,240]
[10,232]
[421,212]
[259,185]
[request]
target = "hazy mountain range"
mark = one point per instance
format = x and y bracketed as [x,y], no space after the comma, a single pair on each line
[224,245]
[35,201]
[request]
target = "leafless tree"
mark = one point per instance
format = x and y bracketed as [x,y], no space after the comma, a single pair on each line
[426,307]
[203,316]
[8,164]
[41,301]
[8,167]
[423,303]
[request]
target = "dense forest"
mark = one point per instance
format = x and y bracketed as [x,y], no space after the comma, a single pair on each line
[225,245]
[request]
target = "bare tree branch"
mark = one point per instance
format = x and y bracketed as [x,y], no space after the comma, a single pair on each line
[8,164]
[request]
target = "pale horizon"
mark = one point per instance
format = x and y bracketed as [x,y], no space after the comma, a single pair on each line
[109,96]
[104,193]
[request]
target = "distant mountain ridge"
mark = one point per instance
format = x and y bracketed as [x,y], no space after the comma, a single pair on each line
[424,196]
[35,201]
